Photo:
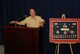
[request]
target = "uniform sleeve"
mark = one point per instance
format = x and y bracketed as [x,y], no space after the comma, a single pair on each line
[23,22]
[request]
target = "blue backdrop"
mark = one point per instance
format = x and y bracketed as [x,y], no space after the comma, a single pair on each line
[15,9]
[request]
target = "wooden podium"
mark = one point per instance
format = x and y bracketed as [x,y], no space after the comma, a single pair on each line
[21,40]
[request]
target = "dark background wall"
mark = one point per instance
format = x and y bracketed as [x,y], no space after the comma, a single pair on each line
[15,9]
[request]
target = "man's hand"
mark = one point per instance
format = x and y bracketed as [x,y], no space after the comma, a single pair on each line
[42,23]
[12,22]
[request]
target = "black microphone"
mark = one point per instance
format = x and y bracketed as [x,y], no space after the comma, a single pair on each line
[21,18]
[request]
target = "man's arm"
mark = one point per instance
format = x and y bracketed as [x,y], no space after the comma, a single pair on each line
[41,22]
[23,22]
[15,22]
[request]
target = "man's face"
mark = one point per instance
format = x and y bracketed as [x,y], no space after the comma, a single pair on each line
[32,12]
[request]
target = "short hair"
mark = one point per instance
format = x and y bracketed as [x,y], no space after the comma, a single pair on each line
[32,8]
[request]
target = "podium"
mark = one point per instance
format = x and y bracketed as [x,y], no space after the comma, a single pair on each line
[21,40]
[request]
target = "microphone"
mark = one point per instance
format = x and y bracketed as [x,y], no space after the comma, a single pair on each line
[25,16]
[19,19]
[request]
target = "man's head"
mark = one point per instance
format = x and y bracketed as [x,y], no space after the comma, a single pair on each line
[32,12]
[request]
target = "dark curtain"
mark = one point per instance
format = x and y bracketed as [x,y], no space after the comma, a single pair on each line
[16,9]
